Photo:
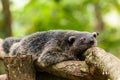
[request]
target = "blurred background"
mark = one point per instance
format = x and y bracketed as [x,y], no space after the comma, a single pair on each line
[22,17]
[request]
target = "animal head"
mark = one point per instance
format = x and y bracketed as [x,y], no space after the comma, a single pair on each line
[80,42]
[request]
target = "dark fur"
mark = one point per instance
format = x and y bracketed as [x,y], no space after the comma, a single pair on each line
[54,46]
[8,42]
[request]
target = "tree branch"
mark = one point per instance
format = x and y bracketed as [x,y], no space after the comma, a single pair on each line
[76,70]
[98,65]
[105,62]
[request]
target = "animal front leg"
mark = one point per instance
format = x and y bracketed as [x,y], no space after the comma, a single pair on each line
[51,57]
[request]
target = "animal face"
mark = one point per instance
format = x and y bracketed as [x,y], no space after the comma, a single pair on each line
[81,42]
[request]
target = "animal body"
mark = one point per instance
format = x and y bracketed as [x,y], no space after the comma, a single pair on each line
[54,46]
[8,42]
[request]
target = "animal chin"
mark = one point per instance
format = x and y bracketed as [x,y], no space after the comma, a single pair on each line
[80,53]
[95,44]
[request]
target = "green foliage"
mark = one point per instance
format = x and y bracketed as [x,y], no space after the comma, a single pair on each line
[40,15]
[109,40]
[54,14]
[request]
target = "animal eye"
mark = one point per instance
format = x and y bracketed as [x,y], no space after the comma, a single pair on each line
[71,39]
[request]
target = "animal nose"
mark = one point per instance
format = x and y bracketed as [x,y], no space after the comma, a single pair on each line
[92,41]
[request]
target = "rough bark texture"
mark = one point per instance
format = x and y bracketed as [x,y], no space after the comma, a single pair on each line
[75,70]
[20,67]
[107,64]
[98,65]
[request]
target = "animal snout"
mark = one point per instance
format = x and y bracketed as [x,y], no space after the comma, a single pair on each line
[91,41]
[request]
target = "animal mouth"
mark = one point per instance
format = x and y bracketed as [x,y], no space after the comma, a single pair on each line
[92,42]
[79,54]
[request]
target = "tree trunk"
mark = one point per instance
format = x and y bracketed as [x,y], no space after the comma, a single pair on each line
[6,29]
[98,17]
[20,67]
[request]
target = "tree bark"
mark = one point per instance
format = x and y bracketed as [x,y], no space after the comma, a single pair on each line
[98,65]
[101,65]
[104,62]
[75,70]
[7,18]
[20,67]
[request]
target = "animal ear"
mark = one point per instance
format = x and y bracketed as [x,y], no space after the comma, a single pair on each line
[71,39]
[95,34]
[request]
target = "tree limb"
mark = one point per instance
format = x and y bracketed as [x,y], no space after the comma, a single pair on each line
[76,70]
[98,65]
[106,63]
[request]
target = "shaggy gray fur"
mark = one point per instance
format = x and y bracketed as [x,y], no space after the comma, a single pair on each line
[50,47]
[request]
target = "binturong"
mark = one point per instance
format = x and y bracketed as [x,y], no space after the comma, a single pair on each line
[54,46]
[8,42]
